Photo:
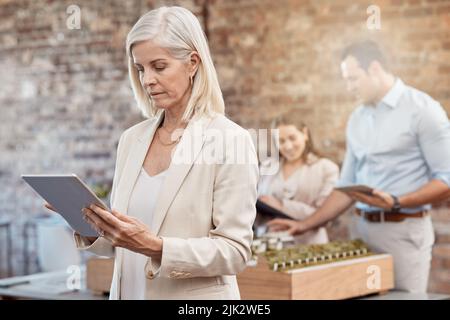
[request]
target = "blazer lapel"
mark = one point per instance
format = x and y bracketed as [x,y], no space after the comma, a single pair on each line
[130,172]
[182,160]
[134,163]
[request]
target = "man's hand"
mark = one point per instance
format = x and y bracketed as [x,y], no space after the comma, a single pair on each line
[293,227]
[272,201]
[124,231]
[378,199]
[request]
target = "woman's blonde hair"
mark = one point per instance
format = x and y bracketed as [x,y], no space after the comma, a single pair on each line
[177,30]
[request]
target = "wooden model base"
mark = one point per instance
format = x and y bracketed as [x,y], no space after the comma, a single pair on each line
[336,280]
[99,275]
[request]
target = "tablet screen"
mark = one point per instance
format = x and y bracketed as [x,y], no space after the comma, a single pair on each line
[68,195]
[357,188]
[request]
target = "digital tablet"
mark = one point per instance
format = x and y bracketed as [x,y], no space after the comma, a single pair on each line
[357,188]
[68,195]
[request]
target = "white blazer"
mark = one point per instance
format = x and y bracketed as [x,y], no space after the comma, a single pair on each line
[204,214]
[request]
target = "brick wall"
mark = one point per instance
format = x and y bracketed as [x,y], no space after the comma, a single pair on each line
[65,96]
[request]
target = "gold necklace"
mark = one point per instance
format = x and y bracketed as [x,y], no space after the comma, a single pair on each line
[167,130]
[167,144]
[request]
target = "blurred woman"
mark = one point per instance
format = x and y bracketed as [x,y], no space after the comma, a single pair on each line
[303,181]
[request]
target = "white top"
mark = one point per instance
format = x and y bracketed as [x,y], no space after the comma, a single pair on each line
[142,205]
[302,193]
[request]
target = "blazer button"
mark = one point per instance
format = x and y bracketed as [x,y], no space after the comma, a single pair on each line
[150,274]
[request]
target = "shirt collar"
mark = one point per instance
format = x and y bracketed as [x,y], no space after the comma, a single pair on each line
[391,98]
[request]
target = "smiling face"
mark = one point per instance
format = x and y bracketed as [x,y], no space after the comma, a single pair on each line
[292,142]
[165,78]
[362,84]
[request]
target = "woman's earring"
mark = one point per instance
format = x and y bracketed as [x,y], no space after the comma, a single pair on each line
[191,79]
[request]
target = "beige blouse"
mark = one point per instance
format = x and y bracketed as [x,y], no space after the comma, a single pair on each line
[142,204]
[303,192]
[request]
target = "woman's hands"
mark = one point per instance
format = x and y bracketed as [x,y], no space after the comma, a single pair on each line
[124,231]
[293,227]
[50,207]
[121,230]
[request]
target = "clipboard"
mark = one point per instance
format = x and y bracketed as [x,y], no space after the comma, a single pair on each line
[271,212]
[68,195]
[356,188]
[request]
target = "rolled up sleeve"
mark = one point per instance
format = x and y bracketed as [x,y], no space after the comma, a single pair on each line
[434,138]
[347,176]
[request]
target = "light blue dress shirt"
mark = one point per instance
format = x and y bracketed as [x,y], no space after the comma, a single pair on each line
[398,145]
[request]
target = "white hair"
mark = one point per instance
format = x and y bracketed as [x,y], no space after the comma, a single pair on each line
[177,30]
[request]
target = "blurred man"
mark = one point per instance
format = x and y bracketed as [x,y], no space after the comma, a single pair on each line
[398,142]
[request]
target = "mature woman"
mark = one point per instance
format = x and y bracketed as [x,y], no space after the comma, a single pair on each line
[181,224]
[304,179]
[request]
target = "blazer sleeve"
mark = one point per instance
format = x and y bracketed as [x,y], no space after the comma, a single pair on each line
[300,210]
[228,246]
[101,246]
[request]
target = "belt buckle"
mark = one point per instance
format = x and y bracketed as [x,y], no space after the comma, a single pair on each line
[374,216]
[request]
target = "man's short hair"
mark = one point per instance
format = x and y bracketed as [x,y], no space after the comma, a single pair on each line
[365,52]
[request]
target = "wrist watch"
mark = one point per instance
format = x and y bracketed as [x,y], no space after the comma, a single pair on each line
[396,207]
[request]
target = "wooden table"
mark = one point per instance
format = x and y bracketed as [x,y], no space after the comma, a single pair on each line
[46,286]
[403,295]
[5,224]
[56,281]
